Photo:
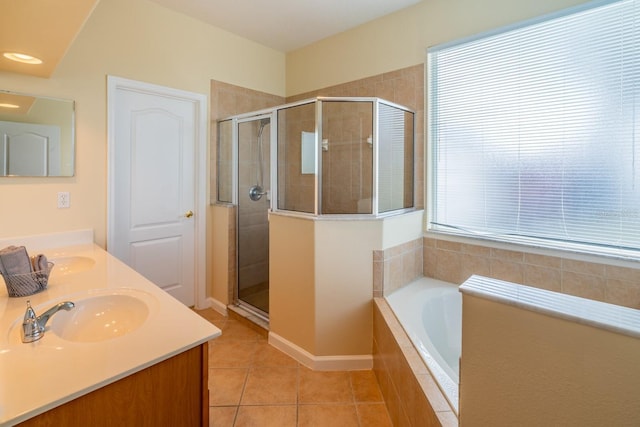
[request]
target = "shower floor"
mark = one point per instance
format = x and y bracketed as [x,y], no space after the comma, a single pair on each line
[257,296]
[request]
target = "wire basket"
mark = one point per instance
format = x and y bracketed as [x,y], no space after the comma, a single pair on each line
[22,285]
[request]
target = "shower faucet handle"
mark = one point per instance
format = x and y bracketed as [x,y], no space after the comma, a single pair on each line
[256,192]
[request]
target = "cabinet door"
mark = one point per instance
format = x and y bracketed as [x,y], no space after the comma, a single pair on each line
[171,393]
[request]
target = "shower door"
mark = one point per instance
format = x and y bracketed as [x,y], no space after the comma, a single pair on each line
[254,202]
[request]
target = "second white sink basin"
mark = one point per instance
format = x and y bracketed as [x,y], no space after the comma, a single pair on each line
[101,317]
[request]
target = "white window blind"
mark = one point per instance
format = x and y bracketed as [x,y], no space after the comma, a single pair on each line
[533,131]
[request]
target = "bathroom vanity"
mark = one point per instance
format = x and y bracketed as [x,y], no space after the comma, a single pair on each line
[126,354]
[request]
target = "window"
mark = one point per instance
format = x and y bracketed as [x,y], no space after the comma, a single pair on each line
[533,131]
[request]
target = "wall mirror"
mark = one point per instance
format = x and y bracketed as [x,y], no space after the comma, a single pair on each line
[37,135]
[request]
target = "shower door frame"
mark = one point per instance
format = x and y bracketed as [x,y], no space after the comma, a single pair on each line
[272,193]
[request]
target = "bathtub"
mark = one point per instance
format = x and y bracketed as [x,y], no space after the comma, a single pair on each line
[430,312]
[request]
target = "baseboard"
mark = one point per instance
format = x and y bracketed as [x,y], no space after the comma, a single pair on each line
[321,363]
[217,306]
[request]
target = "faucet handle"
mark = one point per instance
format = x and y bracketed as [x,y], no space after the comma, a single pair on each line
[31,330]
[29,314]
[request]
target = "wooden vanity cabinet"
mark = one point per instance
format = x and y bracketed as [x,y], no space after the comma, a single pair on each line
[170,393]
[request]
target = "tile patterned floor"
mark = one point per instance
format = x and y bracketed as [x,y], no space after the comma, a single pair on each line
[252,383]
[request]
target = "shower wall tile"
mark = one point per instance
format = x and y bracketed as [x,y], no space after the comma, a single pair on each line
[228,100]
[455,262]
[404,87]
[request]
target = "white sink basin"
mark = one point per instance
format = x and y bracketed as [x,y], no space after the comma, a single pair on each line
[101,317]
[72,264]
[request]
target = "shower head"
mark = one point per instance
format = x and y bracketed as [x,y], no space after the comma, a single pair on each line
[263,123]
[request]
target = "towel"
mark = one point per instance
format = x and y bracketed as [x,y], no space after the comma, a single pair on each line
[40,268]
[14,260]
[39,262]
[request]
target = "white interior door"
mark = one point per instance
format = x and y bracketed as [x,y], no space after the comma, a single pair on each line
[29,149]
[153,193]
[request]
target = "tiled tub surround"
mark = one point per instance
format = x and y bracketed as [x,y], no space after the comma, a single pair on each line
[430,312]
[412,396]
[410,392]
[395,358]
[455,262]
[396,267]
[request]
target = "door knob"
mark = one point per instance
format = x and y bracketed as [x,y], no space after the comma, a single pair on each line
[188,214]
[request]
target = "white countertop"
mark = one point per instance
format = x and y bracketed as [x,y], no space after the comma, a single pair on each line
[39,376]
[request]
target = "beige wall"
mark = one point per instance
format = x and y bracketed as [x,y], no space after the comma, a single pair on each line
[522,368]
[400,40]
[321,279]
[343,285]
[134,39]
[292,298]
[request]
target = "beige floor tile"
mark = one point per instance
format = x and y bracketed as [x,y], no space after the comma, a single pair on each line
[373,415]
[226,386]
[212,316]
[222,416]
[324,387]
[273,389]
[365,386]
[235,330]
[267,416]
[232,354]
[327,415]
[269,356]
[270,386]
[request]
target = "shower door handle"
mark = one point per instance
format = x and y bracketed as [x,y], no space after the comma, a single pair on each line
[188,214]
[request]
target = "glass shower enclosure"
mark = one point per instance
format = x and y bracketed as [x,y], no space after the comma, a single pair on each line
[351,157]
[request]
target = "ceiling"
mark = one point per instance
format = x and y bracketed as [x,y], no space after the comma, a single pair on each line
[286,25]
[41,28]
[26,26]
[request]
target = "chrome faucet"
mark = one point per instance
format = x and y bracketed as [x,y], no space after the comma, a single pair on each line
[33,326]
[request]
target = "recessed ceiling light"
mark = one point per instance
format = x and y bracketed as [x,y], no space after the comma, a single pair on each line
[21,57]
[7,105]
